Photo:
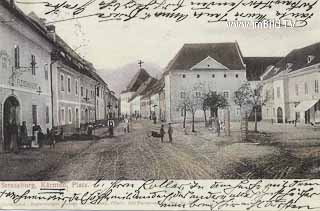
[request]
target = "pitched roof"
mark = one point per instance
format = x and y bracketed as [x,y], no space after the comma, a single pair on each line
[189,55]
[144,88]
[256,66]
[156,88]
[24,18]
[298,60]
[141,76]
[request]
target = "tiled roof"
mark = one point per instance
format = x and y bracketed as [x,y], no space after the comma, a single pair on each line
[256,66]
[189,55]
[297,59]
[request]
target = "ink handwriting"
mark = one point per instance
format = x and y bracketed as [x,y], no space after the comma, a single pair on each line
[218,195]
[300,12]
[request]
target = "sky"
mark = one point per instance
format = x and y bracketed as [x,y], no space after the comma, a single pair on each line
[109,45]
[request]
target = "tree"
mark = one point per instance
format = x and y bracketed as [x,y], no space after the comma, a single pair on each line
[214,101]
[191,101]
[256,100]
[246,95]
[183,106]
[242,95]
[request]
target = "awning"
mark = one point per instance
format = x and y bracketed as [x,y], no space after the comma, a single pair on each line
[305,105]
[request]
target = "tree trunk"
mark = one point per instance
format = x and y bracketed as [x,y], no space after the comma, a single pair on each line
[184,117]
[255,120]
[205,117]
[193,113]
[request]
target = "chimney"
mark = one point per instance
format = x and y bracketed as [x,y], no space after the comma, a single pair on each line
[51,29]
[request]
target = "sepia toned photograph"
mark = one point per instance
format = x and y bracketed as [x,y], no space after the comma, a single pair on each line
[210,102]
[161,90]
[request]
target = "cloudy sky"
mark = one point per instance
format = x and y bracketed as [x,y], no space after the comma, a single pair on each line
[113,44]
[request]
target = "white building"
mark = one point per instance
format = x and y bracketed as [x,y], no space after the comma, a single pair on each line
[216,67]
[25,82]
[292,87]
[135,100]
[127,95]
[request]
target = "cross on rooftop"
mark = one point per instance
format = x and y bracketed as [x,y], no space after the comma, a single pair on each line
[140,63]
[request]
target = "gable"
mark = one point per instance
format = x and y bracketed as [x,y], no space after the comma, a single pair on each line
[209,63]
[189,55]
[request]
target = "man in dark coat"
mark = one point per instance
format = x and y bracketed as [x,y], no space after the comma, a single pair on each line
[170,132]
[162,133]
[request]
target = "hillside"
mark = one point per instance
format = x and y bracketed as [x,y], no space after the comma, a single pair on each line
[119,78]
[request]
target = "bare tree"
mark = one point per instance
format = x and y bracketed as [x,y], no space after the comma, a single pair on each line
[257,101]
[246,95]
[183,107]
[190,102]
[242,95]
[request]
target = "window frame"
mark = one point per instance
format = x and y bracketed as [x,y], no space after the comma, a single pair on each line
[70,115]
[69,84]
[62,88]
[33,64]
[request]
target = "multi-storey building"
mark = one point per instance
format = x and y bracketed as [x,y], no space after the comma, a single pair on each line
[215,67]
[25,82]
[291,87]
[127,95]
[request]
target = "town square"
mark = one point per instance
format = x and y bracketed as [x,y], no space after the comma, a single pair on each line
[208,110]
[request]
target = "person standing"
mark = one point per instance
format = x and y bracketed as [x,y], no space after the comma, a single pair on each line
[162,133]
[170,132]
[218,126]
[24,134]
[14,136]
[127,125]
[52,136]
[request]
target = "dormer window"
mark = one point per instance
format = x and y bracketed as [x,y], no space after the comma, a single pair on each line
[289,65]
[310,59]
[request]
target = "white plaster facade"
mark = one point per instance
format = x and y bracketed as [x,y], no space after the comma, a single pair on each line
[223,82]
[125,105]
[25,51]
[287,91]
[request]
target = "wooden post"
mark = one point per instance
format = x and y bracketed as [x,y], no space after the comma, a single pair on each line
[244,128]
[227,123]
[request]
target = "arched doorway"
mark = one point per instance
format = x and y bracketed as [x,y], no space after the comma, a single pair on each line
[280,115]
[11,116]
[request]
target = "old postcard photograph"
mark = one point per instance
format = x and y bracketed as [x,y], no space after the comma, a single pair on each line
[160,104]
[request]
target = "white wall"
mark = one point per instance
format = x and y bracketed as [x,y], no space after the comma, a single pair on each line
[125,104]
[175,83]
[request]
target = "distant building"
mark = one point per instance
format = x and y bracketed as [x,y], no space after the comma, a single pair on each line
[292,87]
[139,78]
[255,68]
[136,99]
[216,67]
[153,102]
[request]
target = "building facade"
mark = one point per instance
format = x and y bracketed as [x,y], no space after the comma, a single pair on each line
[292,88]
[25,55]
[201,68]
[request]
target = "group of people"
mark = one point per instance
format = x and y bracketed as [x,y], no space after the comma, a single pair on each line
[16,136]
[170,133]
